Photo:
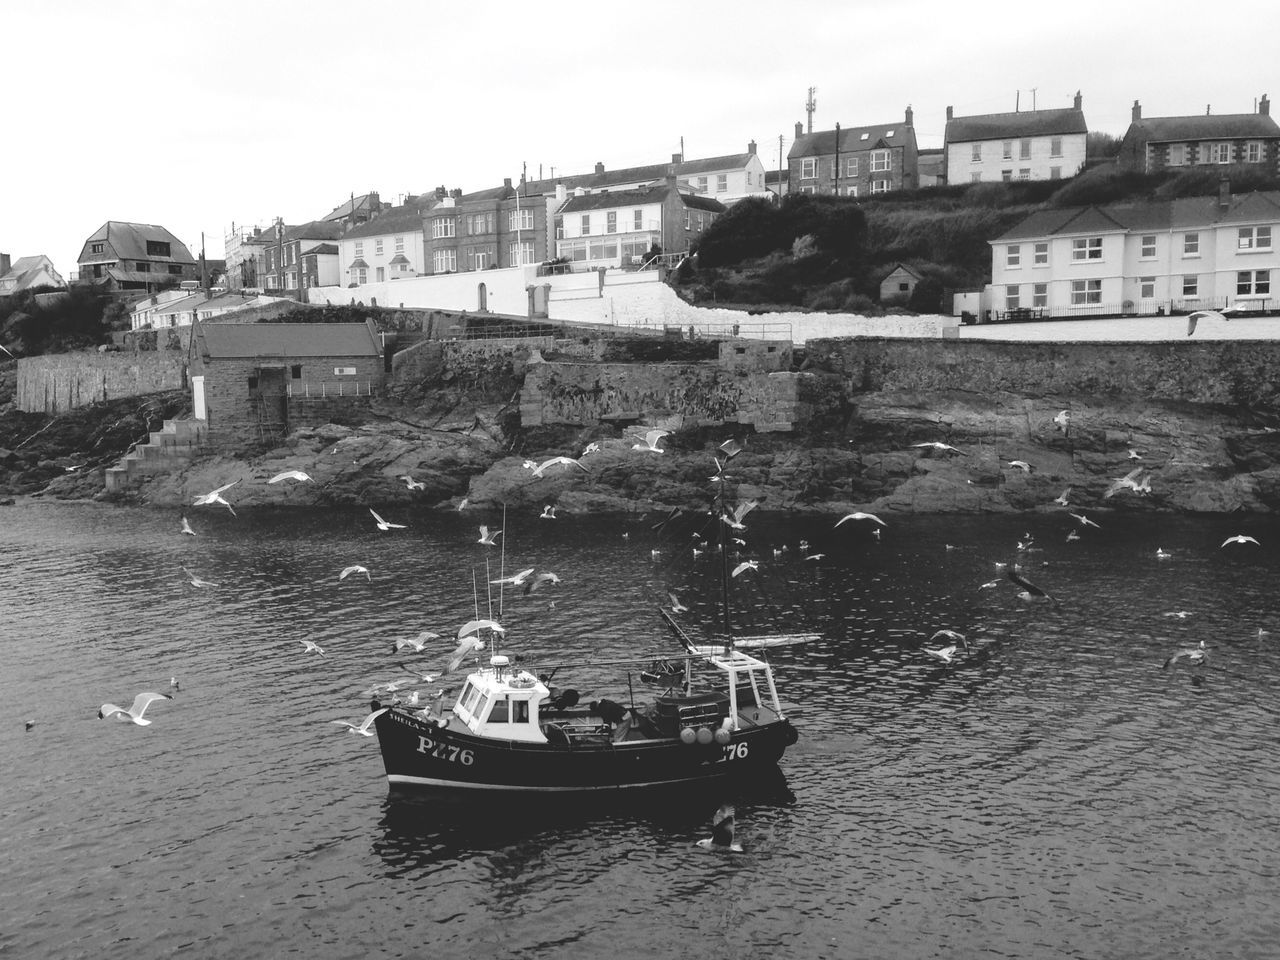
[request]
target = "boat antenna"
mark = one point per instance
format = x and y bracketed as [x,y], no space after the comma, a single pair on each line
[475,593]
[731,449]
[502,560]
[488,575]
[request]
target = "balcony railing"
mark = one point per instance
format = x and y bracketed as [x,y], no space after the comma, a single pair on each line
[1131,308]
[329,389]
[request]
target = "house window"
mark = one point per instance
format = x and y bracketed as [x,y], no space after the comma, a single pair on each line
[1024,173]
[377,247]
[1086,248]
[157,248]
[521,219]
[1041,254]
[1040,295]
[851,191]
[1055,173]
[1177,155]
[359,274]
[611,222]
[399,244]
[1013,256]
[881,160]
[702,184]
[359,248]
[253,383]
[381,275]
[808,189]
[521,253]
[295,372]
[1148,246]
[479,258]
[1086,292]
[445,261]
[975,178]
[1055,146]
[879,186]
[975,154]
[688,220]
[637,219]
[175,269]
[1007,151]
[1146,287]
[1006,175]
[1191,244]
[443,227]
[1254,238]
[809,168]
[1253,283]
[586,225]
[1253,152]
[1191,286]
[722,183]
[1024,150]
[95,248]
[1011,301]
[1221,153]
[143,267]
[850,166]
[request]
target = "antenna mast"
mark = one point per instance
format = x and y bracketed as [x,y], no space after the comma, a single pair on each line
[811,105]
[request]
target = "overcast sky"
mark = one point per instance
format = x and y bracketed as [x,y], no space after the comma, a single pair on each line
[197,116]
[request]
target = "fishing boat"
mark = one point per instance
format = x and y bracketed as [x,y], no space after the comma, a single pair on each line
[510,729]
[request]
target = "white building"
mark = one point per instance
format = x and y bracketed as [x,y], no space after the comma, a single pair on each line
[179,308]
[1024,145]
[388,247]
[1141,258]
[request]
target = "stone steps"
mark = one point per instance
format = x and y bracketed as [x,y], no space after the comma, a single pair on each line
[177,442]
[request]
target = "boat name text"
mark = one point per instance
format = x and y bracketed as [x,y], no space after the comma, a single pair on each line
[443,751]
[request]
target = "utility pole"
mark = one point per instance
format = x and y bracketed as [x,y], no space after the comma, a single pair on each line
[835,167]
[1033,98]
[811,105]
[779,167]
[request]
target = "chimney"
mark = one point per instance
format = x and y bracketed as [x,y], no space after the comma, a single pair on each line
[751,144]
[561,193]
[949,117]
[1078,100]
[599,168]
[506,182]
[677,158]
[579,191]
[1264,106]
[1224,192]
[1206,109]
[5,264]
[799,129]
[1137,111]
[911,117]
[456,193]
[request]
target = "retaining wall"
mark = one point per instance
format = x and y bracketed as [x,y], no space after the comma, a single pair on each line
[59,382]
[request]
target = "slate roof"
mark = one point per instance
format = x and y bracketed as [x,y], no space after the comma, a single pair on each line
[878,136]
[652,172]
[128,241]
[1022,123]
[634,198]
[341,212]
[240,340]
[1182,214]
[323,248]
[315,230]
[1223,126]
[403,219]
[24,271]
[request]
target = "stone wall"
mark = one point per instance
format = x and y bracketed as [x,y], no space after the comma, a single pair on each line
[59,382]
[670,394]
[1197,372]
[315,412]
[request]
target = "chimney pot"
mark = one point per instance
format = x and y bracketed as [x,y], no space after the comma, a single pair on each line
[677,158]
[799,129]
[910,116]
[949,116]
[751,145]
[1264,106]
[1079,100]
[506,182]
[599,168]
[1137,111]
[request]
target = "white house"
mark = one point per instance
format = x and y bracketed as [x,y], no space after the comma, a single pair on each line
[388,247]
[180,308]
[27,273]
[1024,145]
[618,228]
[1145,257]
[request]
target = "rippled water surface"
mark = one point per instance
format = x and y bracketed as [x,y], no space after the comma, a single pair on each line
[1055,793]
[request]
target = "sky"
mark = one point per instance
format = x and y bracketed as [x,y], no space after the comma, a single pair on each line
[197,116]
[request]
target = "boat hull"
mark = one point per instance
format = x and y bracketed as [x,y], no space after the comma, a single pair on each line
[417,752]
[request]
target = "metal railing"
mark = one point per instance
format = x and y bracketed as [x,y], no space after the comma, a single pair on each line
[329,389]
[1130,308]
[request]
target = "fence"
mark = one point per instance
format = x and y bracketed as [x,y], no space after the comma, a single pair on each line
[1131,308]
[328,389]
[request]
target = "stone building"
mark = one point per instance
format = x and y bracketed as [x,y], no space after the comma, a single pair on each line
[855,162]
[255,382]
[1162,143]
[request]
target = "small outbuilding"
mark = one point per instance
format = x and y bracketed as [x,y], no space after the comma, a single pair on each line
[254,382]
[898,284]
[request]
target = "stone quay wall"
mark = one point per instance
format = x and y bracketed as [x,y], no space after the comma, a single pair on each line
[60,382]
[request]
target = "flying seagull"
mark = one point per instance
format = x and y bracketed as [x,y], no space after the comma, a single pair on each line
[1194,656]
[215,496]
[196,581]
[354,568]
[186,528]
[516,579]
[1061,499]
[540,581]
[937,445]
[486,537]
[1083,520]
[1021,465]
[746,565]
[475,626]
[1030,591]
[548,513]
[1193,318]
[859,515]
[135,712]
[567,461]
[383,524]
[417,643]
[411,483]
[1239,538]
[310,646]
[650,443]
[676,605]
[290,475]
[734,520]
[721,832]
[1128,481]
[363,729]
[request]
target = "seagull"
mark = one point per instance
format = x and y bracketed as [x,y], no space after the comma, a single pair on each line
[813,556]
[1061,499]
[1021,465]
[411,483]
[486,537]
[721,832]
[30,723]
[1194,655]
[310,646]
[418,643]
[1083,520]
[290,475]
[383,524]
[174,683]
[196,581]
[1030,591]
[952,635]
[135,712]
[651,439]
[653,554]
[186,528]
[540,581]
[567,461]
[859,515]
[548,513]
[516,579]
[462,504]
[592,447]
[1062,420]
[676,605]
[1197,315]
[529,465]
[1239,538]
[740,511]
[1162,554]
[468,646]
[215,496]
[1134,454]
[1072,535]
[363,729]
[990,585]
[945,654]
[937,445]
[354,568]
[730,448]
[1180,614]
[1129,481]
[746,565]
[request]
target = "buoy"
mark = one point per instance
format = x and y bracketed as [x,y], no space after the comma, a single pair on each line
[723,736]
[687,735]
[705,735]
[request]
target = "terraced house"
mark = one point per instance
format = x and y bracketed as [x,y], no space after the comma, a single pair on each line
[1161,143]
[1141,258]
[499,227]
[1023,145]
[390,246]
[855,162]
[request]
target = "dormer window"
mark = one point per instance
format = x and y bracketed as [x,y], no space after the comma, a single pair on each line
[888,133]
[865,136]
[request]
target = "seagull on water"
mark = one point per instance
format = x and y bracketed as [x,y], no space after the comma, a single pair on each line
[746,565]
[990,585]
[411,483]
[554,461]
[1162,554]
[859,515]
[290,475]
[383,524]
[215,496]
[196,581]
[650,444]
[310,646]
[722,832]
[1180,614]
[174,683]
[486,537]
[676,605]
[186,528]
[363,729]
[955,636]
[1239,538]
[418,643]
[548,513]
[1193,655]
[135,712]
[354,568]
[946,654]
